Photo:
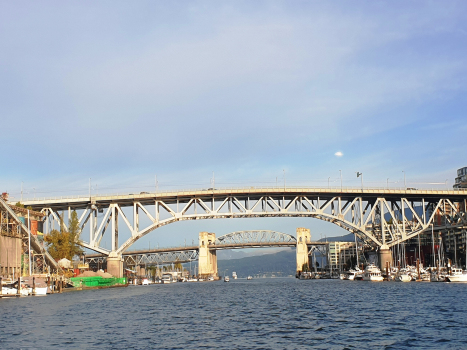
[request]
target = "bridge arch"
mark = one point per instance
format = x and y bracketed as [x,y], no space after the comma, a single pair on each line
[254,239]
[384,217]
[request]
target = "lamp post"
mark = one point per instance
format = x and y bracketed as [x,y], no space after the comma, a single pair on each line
[361,176]
[328,181]
[340,172]
[405,184]
[387,183]
[283,170]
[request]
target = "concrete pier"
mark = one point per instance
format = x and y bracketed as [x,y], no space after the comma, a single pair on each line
[303,237]
[384,256]
[115,265]
[207,258]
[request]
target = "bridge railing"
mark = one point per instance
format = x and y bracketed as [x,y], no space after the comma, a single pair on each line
[334,189]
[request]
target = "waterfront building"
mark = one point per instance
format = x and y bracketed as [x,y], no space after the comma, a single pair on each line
[461,179]
[340,253]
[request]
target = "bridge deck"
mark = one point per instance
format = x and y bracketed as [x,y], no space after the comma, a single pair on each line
[253,192]
[215,247]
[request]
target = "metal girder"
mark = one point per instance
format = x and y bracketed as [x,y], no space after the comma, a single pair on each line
[10,224]
[382,217]
[158,258]
[254,238]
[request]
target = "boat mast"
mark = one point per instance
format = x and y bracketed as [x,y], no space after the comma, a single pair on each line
[433,243]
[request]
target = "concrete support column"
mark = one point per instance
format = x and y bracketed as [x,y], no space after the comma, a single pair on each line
[207,258]
[140,270]
[303,237]
[115,265]
[384,256]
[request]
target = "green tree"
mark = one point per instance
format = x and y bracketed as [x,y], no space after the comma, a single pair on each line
[19,204]
[64,243]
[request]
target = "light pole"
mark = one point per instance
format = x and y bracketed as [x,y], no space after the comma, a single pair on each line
[387,183]
[283,170]
[405,184]
[361,176]
[340,172]
[328,181]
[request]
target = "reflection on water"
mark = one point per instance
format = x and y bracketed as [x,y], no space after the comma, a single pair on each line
[281,313]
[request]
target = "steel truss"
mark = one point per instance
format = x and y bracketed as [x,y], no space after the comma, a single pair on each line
[254,238]
[10,225]
[375,216]
[156,258]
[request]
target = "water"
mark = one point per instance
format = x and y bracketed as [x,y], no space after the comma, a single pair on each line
[281,313]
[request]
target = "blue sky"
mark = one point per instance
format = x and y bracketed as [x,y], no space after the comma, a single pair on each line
[120,91]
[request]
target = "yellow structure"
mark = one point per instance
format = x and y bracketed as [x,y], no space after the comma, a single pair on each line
[207,258]
[303,237]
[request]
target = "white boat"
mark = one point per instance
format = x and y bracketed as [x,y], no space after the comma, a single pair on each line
[402,277]
[353,273]
[249,278]
[226,279]
[372,273]
[457,275]
[145,282]
[167,278]
[210,278]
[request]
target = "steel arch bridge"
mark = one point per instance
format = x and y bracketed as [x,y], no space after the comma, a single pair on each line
[254,239]
[381,216]
[233,240]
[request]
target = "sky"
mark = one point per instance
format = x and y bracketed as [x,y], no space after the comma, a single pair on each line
[250,93]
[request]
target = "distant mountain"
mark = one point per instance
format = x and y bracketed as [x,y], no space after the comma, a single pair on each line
[278,264]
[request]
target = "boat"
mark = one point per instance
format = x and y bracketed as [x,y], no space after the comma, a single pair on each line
[234,275]
[249,278]
[145,282]
[456,275]
[372,273]
[226,279]
[402,277]
[210,278]
[167,278]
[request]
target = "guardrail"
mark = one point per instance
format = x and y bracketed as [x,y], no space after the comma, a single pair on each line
[256,188]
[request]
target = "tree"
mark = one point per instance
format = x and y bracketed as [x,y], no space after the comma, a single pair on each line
[64,243]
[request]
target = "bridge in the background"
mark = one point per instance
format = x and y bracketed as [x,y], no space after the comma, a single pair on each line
[205,253]
[382,217]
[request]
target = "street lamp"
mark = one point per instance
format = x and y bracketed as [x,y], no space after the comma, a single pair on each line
[328,181]
[360,175]
[340,172]
[387,183]
[405,184]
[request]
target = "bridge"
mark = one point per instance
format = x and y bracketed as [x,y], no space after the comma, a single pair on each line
[383,217]
[206,255]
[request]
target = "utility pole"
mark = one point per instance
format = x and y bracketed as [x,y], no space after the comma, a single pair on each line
[340,172]
[283,170]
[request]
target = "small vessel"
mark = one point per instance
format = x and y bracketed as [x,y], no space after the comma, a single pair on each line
[234,275]
[456,275]
[210,278]
[372,273]
[167,278]
[226,279]
[352,274]
[249,278]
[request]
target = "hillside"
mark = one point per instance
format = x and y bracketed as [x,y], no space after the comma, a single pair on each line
[278,264]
